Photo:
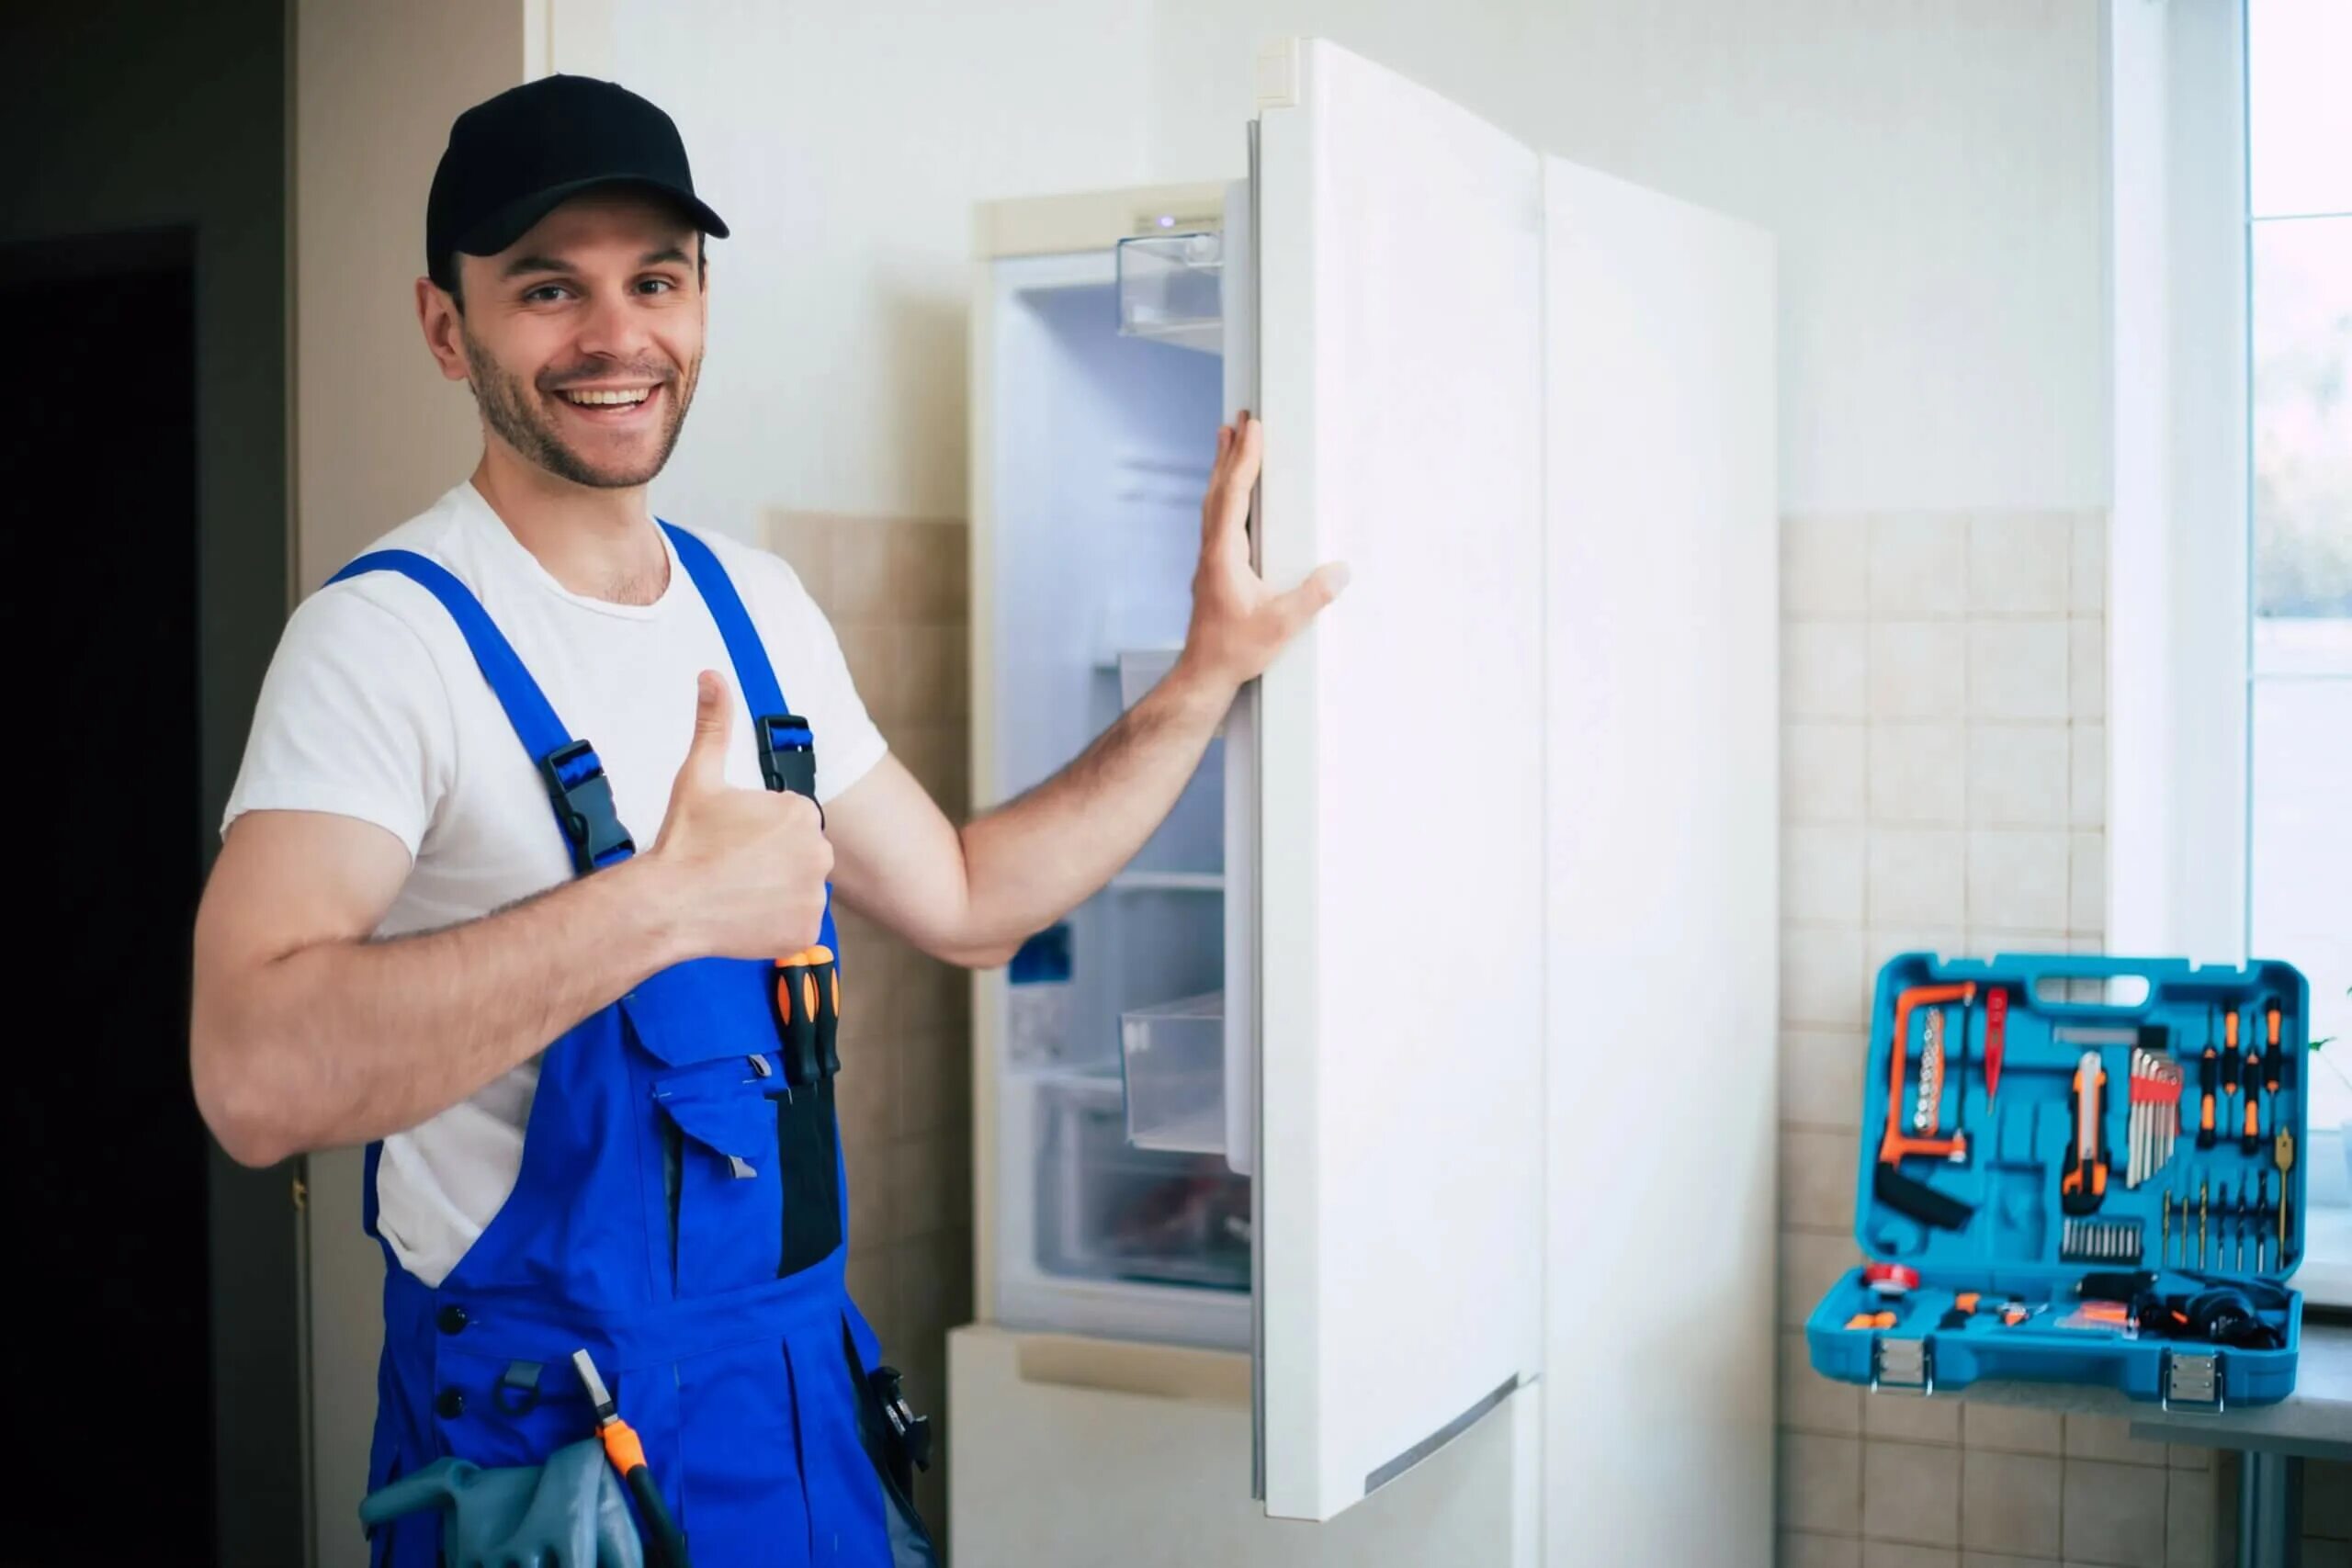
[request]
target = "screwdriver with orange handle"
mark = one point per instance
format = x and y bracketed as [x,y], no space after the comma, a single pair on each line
[667,1545]
[2208,1071]
[2250,1091]
[808,1014]
[2230,1051]
[1882,1318]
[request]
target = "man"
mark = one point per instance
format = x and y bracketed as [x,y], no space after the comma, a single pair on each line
[593,1065]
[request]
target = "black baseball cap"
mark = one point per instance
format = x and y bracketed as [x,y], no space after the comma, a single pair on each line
[514,159]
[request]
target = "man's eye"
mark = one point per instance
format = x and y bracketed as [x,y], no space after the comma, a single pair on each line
[545,293]
[657,286]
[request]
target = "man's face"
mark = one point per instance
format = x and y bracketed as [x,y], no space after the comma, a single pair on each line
[582,340]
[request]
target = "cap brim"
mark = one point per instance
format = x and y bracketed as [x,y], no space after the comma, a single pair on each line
[514,221]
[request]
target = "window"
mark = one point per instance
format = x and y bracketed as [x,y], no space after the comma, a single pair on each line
[2299,661]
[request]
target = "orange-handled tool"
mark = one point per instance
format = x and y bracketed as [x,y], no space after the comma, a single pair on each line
[2230,1051]
[667,1546]
[2082,1186]
[1882,1319]
[1996,1029]
[2270,1080]
[1897,1145]
[808,1014]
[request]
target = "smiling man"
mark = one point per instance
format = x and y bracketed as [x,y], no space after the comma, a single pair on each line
[593,1065]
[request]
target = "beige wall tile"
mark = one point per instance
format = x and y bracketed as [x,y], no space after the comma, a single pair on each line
[1821,1076]
[1810,1263]
[2114,1513]
[2018,562]
[2017,879]
[929,566]
[1821,1483]
[1824,771]
[2086,788]
[2086,882]
[1917,876]
[1802,1549]
[1820,976]
[1919,566]
[1918,772]
[1918,670]
[1886,941]
[1811,1402]
[868,1167]
[861,571]
[865,1091]
[1998,1426]
[1897,1554]
[934,1082]
[1910,1492]
[2018,775]
[1912,1419]
[805,540]
[2108,1437]
[1823,574]
[2010,1503]
[1822,671]
[1821,875]
[2016,670]
[2003,1560]
[2087,572]
[2192,1521]
[1818,1179]
[2086,669]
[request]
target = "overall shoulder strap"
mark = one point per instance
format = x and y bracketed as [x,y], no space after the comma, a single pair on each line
[577,789]
[787,745]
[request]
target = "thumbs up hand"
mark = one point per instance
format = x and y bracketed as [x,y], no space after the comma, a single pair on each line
[751,863]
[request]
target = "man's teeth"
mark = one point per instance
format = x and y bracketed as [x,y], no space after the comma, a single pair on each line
[623,395]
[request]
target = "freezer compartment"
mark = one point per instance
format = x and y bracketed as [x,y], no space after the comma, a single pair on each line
[1169,289]
[1107,1209]
[1172,1057]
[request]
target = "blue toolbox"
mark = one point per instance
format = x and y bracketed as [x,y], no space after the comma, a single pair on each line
[2078,1170]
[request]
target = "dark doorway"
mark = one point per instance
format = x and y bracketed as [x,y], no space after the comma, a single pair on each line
[105,1155]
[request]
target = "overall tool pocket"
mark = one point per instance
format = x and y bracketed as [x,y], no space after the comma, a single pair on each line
[899,1442]
[723,1182]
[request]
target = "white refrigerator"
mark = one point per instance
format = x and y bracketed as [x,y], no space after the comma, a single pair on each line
[1380,1170]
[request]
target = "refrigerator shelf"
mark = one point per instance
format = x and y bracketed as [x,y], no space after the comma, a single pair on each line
[1169,289]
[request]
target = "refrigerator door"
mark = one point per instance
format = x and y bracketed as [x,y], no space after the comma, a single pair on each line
[1400,763]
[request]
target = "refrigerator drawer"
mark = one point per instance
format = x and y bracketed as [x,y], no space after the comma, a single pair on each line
[1107,1209]
[1173,1058]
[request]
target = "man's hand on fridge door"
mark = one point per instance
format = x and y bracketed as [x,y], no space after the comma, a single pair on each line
[1238,622]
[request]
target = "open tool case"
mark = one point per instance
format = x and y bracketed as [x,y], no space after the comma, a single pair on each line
[2014,1236]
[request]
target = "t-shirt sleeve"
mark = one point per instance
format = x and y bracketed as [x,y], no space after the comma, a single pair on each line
[353,719]
[816,679]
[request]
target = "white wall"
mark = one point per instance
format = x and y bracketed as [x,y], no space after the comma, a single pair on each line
[1934,171]
[844,146]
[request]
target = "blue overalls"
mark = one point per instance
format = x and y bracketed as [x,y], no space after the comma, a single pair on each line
[680,1212]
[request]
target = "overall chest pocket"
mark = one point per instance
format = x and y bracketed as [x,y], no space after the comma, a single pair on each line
[722,1177]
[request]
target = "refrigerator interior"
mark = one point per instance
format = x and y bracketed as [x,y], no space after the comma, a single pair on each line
[1118,1211]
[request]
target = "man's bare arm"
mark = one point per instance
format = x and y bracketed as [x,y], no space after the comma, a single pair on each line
[306,1033]
[970,896]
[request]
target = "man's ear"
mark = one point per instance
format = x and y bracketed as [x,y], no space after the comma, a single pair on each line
[436,313]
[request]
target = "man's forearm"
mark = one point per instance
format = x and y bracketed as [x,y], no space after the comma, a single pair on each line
[1034,859]
[419,1023]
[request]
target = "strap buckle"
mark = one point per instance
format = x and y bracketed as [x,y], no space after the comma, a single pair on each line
[583,806]
[787,753]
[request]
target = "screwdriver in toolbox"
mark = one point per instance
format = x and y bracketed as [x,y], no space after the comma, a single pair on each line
[2230,1051]
[2285,1159]
[2250,1090]
[2208,1071]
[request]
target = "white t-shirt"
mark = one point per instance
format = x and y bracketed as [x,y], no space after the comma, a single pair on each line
[374,708]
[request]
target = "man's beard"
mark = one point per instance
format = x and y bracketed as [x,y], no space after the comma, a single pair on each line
[515,413]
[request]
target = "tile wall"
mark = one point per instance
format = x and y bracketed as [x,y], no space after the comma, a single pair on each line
[1943,771]
[894,591]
